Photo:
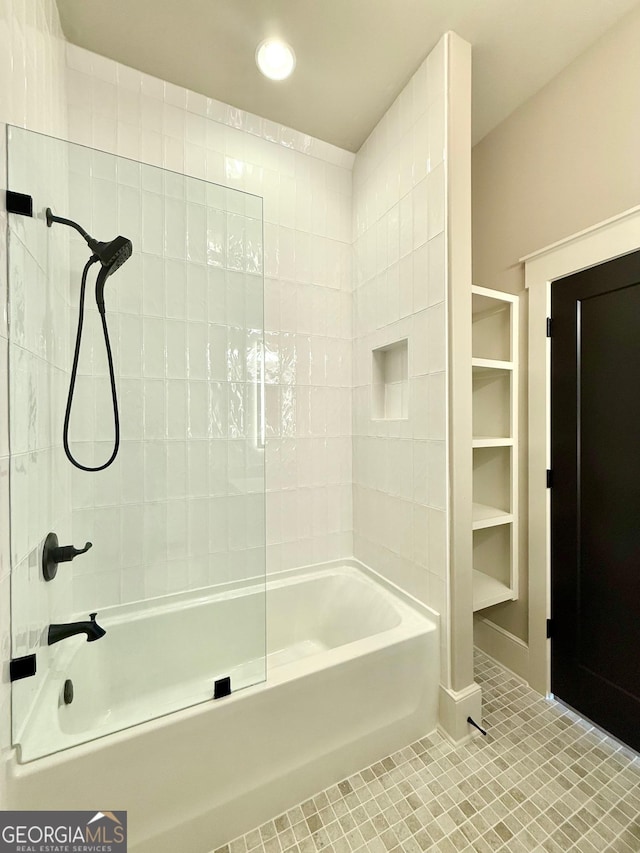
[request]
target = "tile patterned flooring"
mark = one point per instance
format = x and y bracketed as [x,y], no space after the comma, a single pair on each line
[542,780]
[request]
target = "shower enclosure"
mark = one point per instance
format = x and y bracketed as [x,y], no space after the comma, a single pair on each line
[178,518]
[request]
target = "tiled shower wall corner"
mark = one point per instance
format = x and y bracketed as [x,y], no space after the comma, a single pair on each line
[306,186]
[400,465]
[32,94]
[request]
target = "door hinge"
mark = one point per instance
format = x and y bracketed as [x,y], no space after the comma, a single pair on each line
[22,667]
[549,628]
[549,478]
[549,326]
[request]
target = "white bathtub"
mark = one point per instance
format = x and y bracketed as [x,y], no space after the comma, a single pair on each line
[352,674]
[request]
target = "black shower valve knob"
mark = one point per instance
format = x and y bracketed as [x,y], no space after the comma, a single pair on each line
[52,554]
[66,553]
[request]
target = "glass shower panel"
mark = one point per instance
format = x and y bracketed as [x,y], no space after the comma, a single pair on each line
[176,568]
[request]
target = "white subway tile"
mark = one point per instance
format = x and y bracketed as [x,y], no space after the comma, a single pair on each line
[175,233]
[288,455]
[436,201]
[198,532]
[152,223]
[437,474]
[197,351]
[437,543]
[405,286]
[174,185]
[128,97]
[173,154]
[128,140]
[196,233]
[131,408]
[421,213]
[420,344]
[437,279]
[202,419]
[153,336]
[406,225]
[436,134]
[437,412]
[420,278]
[436,334]
[155,415]
[155,471]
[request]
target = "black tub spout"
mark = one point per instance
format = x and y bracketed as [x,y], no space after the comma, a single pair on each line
[70,629]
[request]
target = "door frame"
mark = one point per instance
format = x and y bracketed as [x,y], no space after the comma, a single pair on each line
[602,242]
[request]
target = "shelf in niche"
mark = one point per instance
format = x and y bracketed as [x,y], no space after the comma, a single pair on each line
[488,591]
[485,302]
[390,382]
[480,365]
[492,324]
[491,441]
[491,398]
[489,516]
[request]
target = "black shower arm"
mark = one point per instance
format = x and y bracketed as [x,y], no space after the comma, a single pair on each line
[51,218]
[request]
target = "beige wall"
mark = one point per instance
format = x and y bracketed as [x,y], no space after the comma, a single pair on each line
[566,159]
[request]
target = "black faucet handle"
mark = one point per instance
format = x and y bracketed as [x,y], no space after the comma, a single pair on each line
[53,554]
[92,616]
[66,553]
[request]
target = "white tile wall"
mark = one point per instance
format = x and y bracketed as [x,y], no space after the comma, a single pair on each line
[306,186]
[400,466]
[32,94]
[186,353]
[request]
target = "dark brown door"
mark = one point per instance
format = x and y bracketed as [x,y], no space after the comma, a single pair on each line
[595,496]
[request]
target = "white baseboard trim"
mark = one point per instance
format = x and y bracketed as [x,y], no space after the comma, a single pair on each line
[504,647]
[455,707]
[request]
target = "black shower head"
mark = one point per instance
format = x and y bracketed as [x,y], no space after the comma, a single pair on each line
[111,255]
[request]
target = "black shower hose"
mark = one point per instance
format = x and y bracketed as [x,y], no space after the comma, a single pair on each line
[74,373]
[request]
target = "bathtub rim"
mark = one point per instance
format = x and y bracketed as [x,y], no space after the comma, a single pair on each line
[159,603]
[288,673]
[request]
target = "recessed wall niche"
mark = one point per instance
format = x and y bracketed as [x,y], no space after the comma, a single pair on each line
[390,382]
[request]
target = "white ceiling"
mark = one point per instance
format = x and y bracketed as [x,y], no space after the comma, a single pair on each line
[354,56]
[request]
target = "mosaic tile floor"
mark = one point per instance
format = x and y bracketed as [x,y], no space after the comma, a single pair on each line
[542,780]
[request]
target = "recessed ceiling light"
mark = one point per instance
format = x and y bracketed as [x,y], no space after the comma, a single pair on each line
[275,59]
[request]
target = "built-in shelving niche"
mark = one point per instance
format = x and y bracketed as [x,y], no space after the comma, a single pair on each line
[492,328]
[492,557]
[495,441]
[491,486]
[390,382]
[491,401]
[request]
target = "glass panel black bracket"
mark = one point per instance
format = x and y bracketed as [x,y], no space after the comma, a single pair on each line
[19,203]
[22,667]
[222,687]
